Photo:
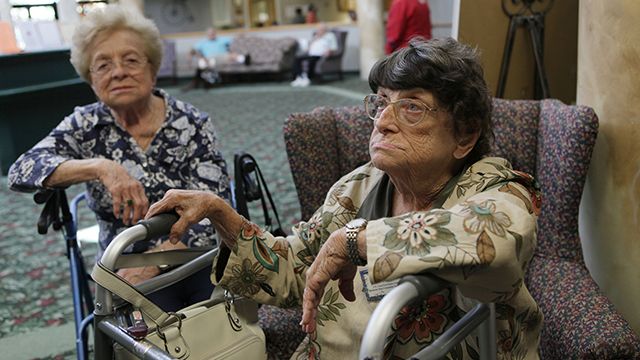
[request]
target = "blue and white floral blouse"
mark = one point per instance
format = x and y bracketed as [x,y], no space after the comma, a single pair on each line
[182,155]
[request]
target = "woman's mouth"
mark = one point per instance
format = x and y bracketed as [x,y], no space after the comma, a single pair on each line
[383,145]
[120,88]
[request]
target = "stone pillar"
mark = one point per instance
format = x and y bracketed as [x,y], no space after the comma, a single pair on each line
[135,3]
[371,28]
[5,11]
[67,12]
[608,73]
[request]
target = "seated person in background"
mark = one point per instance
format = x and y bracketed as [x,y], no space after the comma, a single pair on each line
[131,146]
[430,200]
[209,52]
[298,17]
[322,44]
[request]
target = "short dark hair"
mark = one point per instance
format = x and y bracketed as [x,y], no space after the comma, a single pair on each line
[452,72]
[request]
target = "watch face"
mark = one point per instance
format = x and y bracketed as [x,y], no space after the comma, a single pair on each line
[356,223]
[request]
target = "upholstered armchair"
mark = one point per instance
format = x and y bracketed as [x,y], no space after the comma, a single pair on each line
[546,138]
[168,67]
[332,64]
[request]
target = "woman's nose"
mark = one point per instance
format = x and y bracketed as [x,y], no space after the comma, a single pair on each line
[118,70]
[387,120]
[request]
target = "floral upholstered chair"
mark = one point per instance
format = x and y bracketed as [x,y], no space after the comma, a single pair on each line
[332,64]
[546,138]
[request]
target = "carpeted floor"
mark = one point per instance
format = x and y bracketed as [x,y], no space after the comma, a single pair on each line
[36,312]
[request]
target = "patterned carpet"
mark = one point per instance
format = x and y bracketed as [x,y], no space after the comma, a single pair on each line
[36,312]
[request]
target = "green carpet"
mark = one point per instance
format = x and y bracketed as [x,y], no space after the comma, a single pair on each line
[36,312]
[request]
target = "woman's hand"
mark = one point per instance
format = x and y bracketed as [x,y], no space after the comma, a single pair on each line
[130,203]
[136,275]
[193,206]
[190,205]
[332,263]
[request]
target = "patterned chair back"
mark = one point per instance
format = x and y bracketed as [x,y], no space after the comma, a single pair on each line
[323,145]
[553,142]
[527,132]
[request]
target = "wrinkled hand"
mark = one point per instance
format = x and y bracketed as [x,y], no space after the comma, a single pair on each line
[191,205]
[331,263]
[136,275]
[130,203]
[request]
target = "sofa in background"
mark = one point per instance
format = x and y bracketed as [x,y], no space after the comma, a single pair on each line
[273,56]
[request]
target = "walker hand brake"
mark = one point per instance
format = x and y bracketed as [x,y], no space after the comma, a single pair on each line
[138,329]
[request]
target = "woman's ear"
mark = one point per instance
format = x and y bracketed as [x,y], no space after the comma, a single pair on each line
[466,142]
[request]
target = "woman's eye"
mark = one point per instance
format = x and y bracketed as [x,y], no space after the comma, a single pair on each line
[413,107]
[102,66]
[132,61]
[380,104]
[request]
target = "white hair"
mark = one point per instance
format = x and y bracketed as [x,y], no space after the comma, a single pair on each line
[109,18]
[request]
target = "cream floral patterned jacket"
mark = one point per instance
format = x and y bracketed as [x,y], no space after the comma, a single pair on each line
[481,240]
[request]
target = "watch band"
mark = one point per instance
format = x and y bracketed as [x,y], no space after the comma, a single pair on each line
[352,248]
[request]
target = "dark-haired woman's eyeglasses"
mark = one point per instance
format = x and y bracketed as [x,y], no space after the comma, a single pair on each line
[408,111]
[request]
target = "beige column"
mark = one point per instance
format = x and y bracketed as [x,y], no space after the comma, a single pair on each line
[609,81]
[67,12]
[67,18]
[5,11]
[371,28]
[136,3]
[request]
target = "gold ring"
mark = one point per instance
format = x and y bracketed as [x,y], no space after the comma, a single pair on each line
[129,202]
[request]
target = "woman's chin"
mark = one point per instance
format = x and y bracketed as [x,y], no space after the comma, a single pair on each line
[122,99]
[384,163]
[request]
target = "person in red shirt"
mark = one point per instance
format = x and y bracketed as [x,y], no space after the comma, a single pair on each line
[407,19]
[312,15]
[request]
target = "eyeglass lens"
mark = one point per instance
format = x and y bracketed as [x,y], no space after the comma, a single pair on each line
[130,62]
[407,110]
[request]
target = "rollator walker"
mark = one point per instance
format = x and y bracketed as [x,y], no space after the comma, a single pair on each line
[110,316]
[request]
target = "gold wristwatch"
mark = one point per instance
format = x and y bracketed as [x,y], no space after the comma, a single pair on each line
[353,228]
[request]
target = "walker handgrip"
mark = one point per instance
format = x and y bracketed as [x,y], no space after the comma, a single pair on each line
[426,284]
[159,225]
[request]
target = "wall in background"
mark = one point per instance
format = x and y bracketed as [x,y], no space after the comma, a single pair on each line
[173,16]
[608,73]
[441,17]
[327,10]
[483,23]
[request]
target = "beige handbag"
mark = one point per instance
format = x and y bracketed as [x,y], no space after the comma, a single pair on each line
[223,327]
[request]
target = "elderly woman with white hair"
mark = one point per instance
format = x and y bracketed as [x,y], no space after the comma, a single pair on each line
[132,145]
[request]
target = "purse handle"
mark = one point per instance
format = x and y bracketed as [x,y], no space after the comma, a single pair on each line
[104,275]
[118,286]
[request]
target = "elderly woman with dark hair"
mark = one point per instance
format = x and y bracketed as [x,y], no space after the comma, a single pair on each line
[132,145]
[429,200]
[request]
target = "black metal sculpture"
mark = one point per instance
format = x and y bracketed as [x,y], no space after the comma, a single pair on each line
[530,15]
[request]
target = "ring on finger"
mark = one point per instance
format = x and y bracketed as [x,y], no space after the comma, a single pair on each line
[129,202]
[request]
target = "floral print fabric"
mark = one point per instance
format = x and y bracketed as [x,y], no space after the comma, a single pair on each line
[182,155]
[481,241]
